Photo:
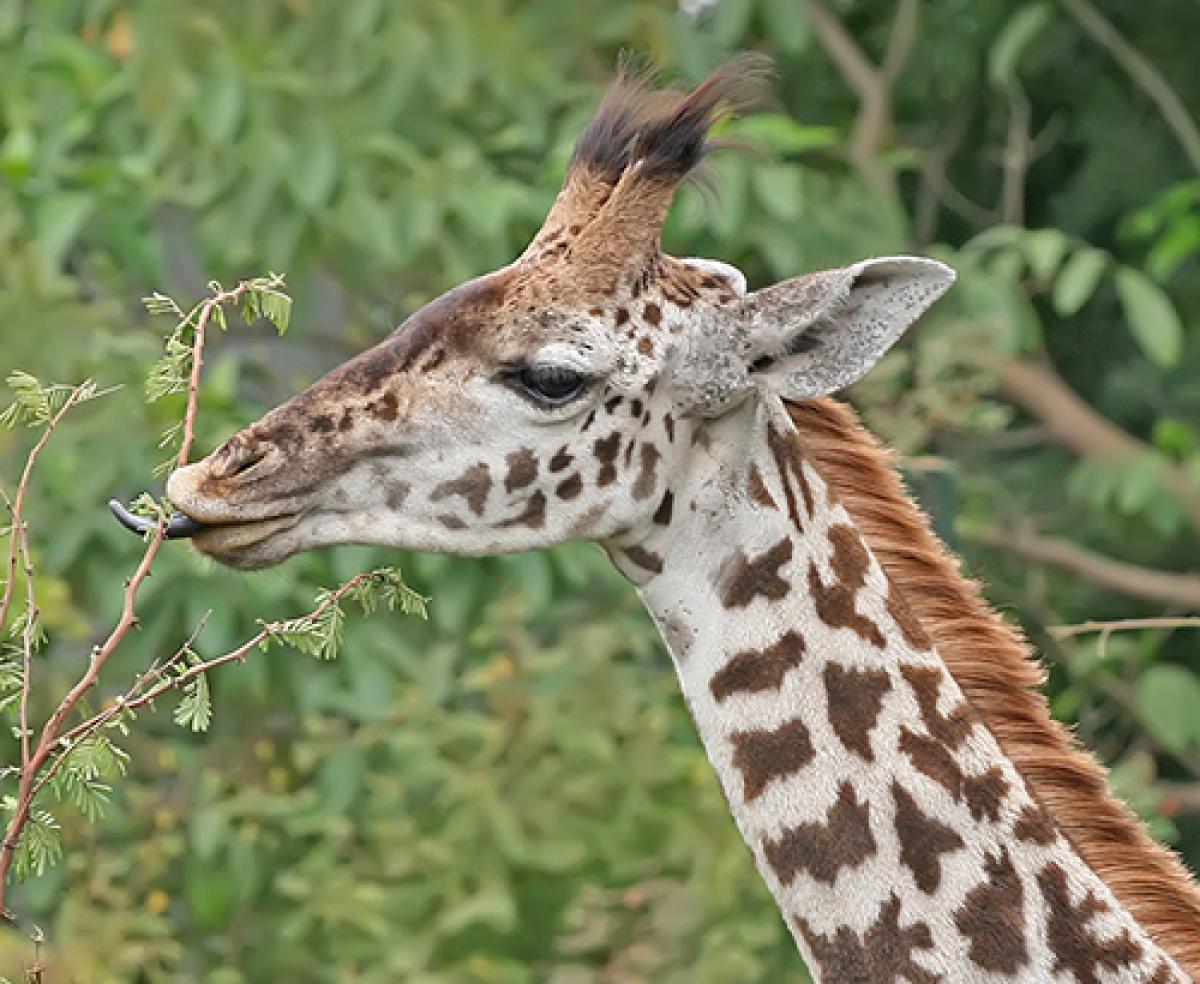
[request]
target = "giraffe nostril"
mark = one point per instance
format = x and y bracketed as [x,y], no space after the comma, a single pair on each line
[242,460]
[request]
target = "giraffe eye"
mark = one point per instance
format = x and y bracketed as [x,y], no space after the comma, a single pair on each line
[550,385]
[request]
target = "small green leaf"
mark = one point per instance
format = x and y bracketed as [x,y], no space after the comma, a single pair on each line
[314,171]
[195,707]
[1077,280]
[787,27]
[60,216]
[1167,698]
[1152,317]
[1016,35]
[1044,250]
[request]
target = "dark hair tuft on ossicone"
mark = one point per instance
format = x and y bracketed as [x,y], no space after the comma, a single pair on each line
[664,132]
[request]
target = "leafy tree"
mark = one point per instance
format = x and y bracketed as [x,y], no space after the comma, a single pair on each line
[374,819]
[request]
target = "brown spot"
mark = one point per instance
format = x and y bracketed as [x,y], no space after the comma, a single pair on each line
[473,485]
[1164,975]
[522,470]
[533,515]
[629,452]
[741,579]
[923,840]
[669,424]
[322,423]
[822,850]
[984,794]
[596,312]
[346,421]
[588,421]
[1074,945]
[912,630]
[645,481]
[758,488]
[451,522]
[662,515]
[645,559]
[1035,825]
[789,464]
[761,756]
[606,450]
[635,408]
[882,955]
[394,493]
[570,487]
[386,408]
[645,346]
[992,918]
[611,404]
[950,729]
[855,700]
[652,313]
[622,316]
[758,669]
[562,459]
[836,602]
[931,758]
[436,358]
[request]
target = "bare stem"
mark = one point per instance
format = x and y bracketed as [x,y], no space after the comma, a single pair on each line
[17,505]
[1123,625]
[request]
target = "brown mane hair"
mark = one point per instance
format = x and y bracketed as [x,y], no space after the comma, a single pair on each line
[995,668]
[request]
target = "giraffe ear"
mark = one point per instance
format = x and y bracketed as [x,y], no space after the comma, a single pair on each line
[818,333]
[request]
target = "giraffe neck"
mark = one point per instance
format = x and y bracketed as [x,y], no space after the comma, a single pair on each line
[899,841]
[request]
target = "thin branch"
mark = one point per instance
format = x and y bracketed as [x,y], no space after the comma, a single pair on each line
[1144,73]
[1038,389]
[32,612]
[17,505]
[49,738]
[1122,625]
[872,85]
[1161,587]
[131,700]
[1017,156]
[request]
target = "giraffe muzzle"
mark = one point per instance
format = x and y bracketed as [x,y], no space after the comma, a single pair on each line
[179,526]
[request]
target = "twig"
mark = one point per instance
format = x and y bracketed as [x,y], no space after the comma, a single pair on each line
[31,616]
[51,733]
[1123,625]
[872,85]
[1042,393]
[1162,587]
[18,503]
[130,701]
[219,298]
[1016,157]
[1143,73]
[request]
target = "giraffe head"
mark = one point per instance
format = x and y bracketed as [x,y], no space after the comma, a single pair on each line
[555,398]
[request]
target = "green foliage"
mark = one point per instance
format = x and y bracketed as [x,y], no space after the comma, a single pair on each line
[511,790]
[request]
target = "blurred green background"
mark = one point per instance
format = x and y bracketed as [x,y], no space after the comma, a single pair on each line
[512,791]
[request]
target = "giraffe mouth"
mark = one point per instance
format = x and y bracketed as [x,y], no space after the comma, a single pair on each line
[181,526]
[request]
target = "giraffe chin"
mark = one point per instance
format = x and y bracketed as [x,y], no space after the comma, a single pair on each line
[245,546]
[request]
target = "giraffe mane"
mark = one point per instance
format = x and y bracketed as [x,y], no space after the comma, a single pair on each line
[996,669]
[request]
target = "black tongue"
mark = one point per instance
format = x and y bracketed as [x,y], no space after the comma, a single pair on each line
[179,526]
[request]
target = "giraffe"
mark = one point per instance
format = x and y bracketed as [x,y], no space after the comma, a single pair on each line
[876,728]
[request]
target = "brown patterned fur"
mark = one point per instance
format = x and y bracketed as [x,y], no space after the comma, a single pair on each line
[995,669]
